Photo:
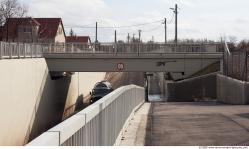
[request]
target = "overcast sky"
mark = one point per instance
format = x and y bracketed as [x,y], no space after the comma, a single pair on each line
[197,18]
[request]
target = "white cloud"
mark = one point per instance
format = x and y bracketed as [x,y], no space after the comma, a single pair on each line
[197,18]
[72,11]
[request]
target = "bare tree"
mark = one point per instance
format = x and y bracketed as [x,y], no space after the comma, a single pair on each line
[11,8]
[233,39]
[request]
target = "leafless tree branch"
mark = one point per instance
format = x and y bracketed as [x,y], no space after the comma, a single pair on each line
[11,8]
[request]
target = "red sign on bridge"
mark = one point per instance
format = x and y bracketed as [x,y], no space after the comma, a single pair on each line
[120,66]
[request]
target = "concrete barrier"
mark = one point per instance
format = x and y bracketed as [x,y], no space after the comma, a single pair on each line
[193,89]
[31,103]
[232,91]
[99,124]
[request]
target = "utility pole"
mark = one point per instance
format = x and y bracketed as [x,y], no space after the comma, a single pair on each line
[139,34]
[133,37]
[175,10]
[115,36]
[176,13]
[165,28]
[96,36]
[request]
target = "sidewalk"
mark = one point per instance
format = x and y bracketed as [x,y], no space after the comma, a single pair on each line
[177,124]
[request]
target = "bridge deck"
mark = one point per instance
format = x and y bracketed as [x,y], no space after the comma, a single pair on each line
[175,55]
[131,62]
[187,124]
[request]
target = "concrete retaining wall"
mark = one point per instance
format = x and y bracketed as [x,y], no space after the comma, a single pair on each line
[232,91]
[25,83]
[215,86]
[193,89]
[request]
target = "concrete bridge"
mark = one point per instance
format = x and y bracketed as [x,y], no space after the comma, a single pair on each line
[132,58]
[184,59]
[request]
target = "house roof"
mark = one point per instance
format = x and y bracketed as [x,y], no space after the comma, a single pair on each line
[78,39]
[48,27]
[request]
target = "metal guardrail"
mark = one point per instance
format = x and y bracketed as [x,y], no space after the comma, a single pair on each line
[36,50]
[131,48]
[98,125]
[20,50]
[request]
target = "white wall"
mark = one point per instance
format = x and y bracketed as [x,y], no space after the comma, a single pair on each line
[60,37]
[22,83]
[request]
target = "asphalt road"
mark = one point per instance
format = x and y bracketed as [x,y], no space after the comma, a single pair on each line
[188,124]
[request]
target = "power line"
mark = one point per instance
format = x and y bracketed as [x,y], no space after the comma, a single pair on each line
[113,27]
[85,25]
[153,29]
[172,19]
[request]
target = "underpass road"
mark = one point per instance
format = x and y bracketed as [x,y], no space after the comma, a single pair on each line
[189,124]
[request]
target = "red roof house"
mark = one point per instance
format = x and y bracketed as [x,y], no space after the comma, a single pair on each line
[78,39]
[34,30]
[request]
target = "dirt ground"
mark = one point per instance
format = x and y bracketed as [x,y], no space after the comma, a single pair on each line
[118,79]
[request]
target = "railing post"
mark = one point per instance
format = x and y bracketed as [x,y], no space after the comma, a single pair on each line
[246,65]
[72,47]
[31,50]
[10,51]
[41,50]
[24,52]
[1,49]
[50,48]
[138,49]
[36,50]
[34,47]
[18,50]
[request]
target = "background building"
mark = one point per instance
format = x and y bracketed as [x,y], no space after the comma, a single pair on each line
[33,30]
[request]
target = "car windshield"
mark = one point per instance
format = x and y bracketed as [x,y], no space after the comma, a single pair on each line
[100,85]
[100,91]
